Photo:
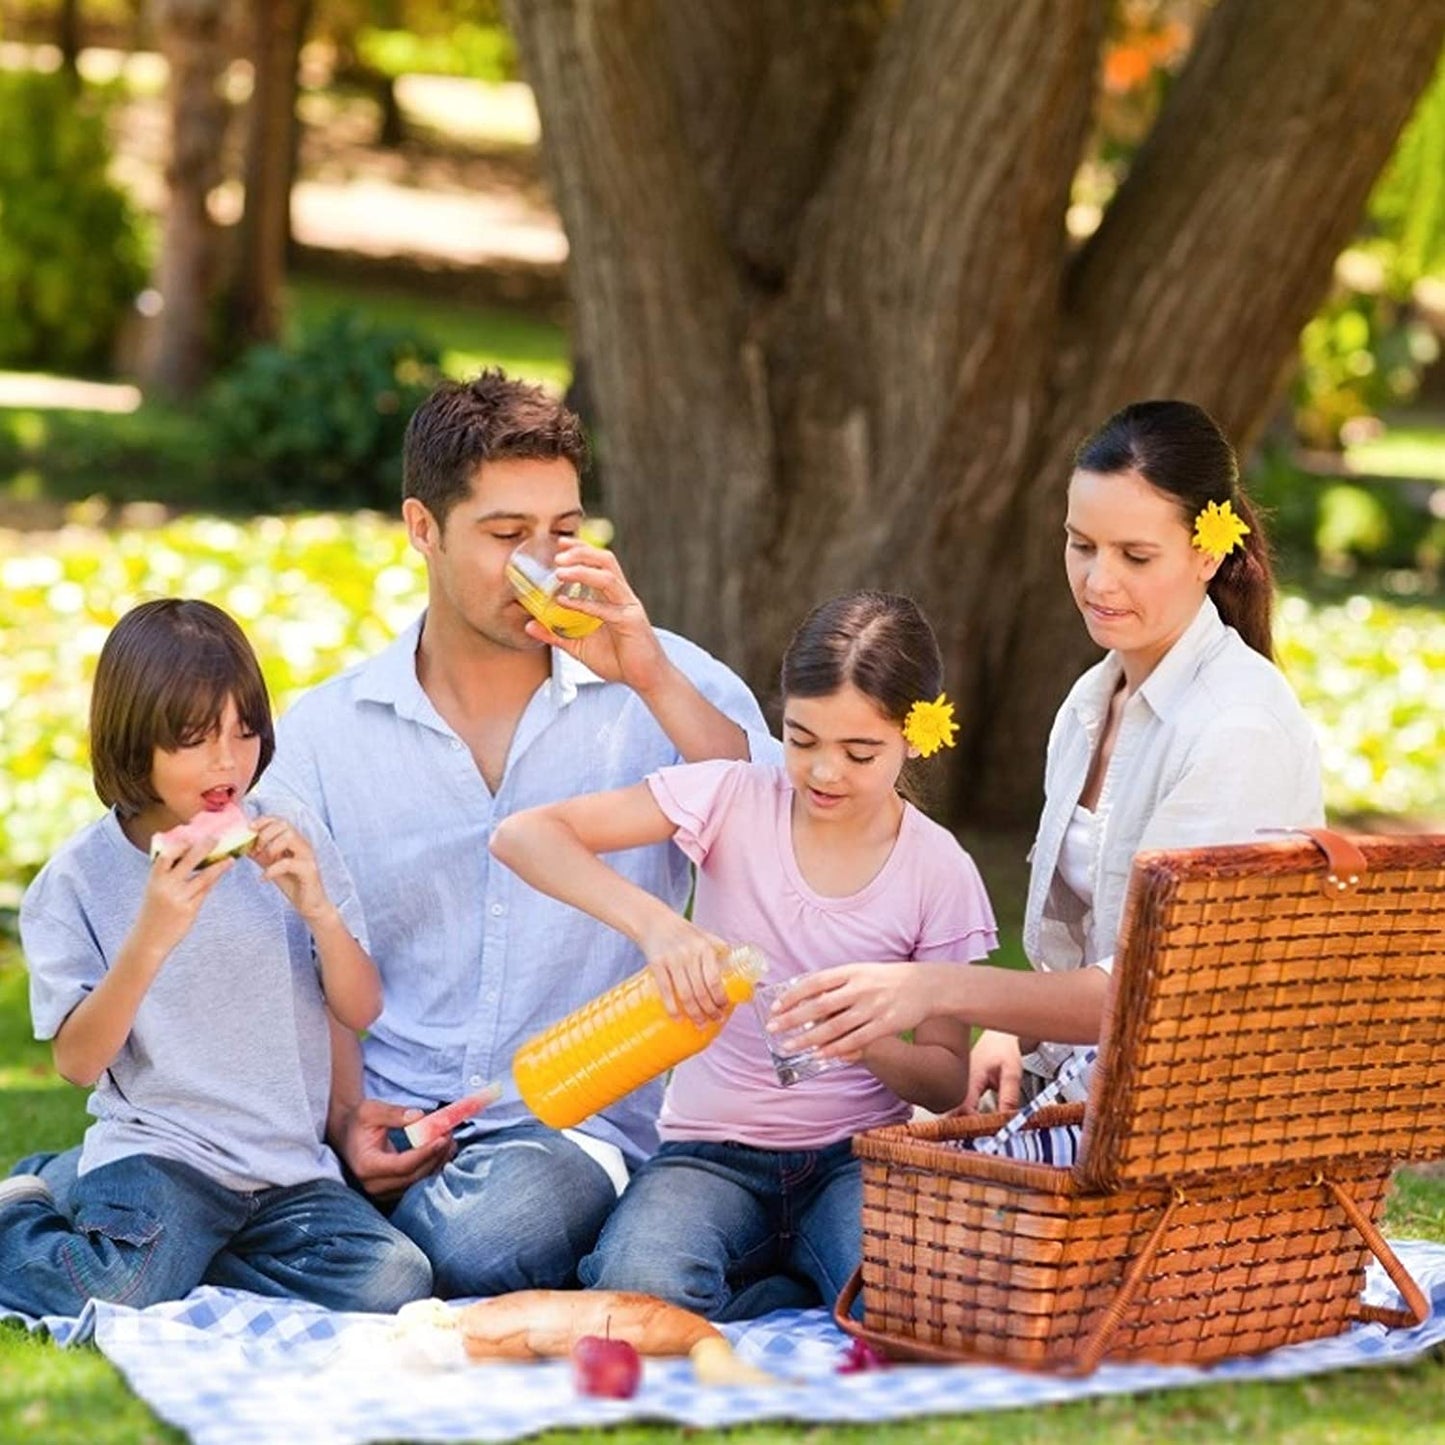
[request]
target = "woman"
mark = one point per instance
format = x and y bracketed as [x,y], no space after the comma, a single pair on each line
[1186,734]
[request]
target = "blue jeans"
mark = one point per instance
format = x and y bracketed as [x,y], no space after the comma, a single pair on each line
[146,1229]
[730,1231]
[515,1209]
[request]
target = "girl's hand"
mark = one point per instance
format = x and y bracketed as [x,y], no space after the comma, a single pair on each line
[287,860]
[995,1063]
[687,964]
[848,1008]
[175,890]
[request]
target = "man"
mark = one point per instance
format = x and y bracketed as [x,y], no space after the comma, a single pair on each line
[411,757]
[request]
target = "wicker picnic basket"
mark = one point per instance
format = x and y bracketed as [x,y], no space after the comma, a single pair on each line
[1273,1044]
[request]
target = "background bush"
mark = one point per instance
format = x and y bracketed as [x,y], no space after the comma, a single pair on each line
[71,256]
[320,423]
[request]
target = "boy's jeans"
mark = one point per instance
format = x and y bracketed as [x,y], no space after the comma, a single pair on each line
[730,1231]
[146,1229]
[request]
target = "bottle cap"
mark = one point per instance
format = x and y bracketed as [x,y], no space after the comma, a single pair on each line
[747,959]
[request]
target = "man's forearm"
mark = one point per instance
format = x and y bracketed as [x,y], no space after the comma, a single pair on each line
[698,729]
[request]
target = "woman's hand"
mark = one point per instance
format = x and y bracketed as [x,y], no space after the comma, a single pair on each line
[288,861]
[686,961]
[174,892]
[846,1009]
[996,1064]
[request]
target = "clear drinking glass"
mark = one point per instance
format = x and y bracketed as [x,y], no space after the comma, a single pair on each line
[532,572]
[793,1059]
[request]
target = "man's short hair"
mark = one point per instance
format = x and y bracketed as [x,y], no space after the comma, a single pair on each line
[490,418]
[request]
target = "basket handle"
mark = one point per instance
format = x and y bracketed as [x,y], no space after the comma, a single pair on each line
[1417,1307]
[1094,1347]
[898,1347]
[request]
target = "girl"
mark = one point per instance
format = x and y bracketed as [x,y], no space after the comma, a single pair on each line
[754,1191]
[195,1000]
[1186,734]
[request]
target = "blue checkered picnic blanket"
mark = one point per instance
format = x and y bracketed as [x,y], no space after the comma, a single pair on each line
[234,1369]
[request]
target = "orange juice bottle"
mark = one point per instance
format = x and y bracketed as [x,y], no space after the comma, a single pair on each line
[620,1040]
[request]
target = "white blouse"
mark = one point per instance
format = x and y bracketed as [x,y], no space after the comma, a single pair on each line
[1212,747]
[1076,856]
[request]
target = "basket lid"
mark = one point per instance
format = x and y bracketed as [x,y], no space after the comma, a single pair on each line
[1266,1010]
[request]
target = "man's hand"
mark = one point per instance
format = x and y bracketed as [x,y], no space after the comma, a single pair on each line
[626,648]
[382,1170]
[994,1064]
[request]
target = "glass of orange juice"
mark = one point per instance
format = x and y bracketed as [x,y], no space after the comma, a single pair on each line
[532,572]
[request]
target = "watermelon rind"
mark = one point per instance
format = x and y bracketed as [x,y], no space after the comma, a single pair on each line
[229,845]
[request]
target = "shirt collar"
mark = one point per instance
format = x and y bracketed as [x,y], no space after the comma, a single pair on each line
[390,677]
[1164,687]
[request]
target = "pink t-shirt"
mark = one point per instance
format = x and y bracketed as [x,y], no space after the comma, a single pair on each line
[734,820]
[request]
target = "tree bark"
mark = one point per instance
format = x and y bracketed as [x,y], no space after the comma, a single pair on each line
[254,305]
[838,335]
[192,38]
[67,35]
[1217,250]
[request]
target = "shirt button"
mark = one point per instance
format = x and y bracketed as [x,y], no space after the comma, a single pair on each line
[497,910]
[456,745]
[475,1081]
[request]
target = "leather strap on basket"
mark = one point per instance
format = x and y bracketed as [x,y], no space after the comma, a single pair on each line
[1417,1307]
[1345,863]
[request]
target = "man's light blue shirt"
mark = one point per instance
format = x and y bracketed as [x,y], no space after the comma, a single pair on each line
[473,961]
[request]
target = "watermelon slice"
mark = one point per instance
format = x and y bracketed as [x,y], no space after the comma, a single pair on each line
[227,829]
[442,1121]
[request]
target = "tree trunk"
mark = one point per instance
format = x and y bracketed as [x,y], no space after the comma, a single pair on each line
[67,36]
[254,303]
[192,38]
[873,371]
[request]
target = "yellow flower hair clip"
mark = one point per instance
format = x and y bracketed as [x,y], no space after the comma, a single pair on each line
[1217,530]
[930,726]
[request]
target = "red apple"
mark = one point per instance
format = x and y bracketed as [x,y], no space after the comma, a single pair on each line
[606,1367]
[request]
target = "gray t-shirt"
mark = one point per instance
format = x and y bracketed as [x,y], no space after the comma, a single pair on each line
[228,1065]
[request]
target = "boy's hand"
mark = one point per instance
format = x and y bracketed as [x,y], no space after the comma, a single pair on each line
[288,861]
[174,892]
[687,964]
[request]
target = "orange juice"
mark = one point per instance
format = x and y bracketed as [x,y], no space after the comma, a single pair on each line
[620,1040]
[539,591]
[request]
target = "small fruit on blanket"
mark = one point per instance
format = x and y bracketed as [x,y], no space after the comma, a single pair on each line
[859,1356]
[713,1363]
[227,829]
[606,1367]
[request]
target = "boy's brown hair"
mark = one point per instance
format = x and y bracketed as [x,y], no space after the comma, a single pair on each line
[490,418]
[162,681]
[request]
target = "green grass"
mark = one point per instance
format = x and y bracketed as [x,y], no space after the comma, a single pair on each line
[1401,451]
[470,337]
[163,453]
[63,1396]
